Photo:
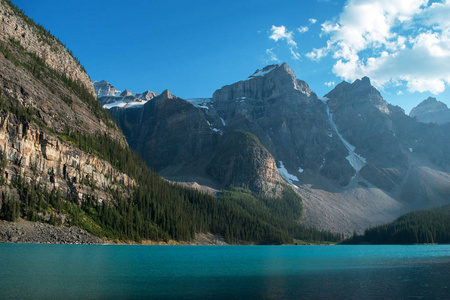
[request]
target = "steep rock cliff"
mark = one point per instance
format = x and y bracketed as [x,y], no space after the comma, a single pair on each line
[35,39]
[240,160]
[46,97]
[40,157]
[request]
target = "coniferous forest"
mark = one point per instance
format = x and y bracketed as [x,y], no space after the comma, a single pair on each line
[161,211]
[430,226]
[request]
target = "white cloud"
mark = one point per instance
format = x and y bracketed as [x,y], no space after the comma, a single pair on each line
[329,83]
[403,42]
[317,54]
[303,29]
[272,56]
[281,33]
[295,55]
[312,21]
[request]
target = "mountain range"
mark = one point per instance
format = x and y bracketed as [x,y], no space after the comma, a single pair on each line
[64,161]
[278,163]
[356,160]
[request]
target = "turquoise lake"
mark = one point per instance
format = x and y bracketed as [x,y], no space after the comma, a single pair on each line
[32,271]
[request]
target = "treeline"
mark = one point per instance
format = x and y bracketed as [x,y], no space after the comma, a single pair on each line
[420,227]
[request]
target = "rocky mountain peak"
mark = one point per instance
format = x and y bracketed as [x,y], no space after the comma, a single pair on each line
[126,93]
[104,88]
[166,95]
[271,82]
[431,111]
[361,91]
[147,95]
[264,71]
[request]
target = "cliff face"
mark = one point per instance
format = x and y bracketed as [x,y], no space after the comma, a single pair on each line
[39,76]
[240,160]
[35,39]
[46,97]
[40,157]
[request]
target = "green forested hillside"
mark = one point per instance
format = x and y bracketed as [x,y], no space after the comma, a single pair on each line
[419,227]
[158,210]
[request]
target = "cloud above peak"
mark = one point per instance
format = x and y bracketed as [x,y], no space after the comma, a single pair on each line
[396,42]
[281,33]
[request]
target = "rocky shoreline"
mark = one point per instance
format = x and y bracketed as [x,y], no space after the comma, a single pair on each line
[40,233]
[34,232]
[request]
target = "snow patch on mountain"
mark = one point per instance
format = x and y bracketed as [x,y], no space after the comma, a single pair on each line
[223,122]
[200,102]
[285,174]
[263,72]
[123,104]
[355,160]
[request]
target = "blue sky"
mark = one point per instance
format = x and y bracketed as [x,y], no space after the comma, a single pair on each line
[195,47]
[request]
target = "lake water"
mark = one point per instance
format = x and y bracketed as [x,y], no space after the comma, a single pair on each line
[31,271]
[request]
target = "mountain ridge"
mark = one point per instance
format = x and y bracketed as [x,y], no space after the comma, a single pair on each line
[351,146]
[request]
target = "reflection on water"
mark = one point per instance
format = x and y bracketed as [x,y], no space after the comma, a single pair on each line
[271,272]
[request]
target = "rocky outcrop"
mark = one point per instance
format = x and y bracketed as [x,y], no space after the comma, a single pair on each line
[104,88]
[431,111]
[240,160]
[35,39]
[40,157]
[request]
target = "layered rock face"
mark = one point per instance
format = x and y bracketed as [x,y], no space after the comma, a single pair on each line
[32,84]
[431,111]
[45,96]
[42,158]
[37,40]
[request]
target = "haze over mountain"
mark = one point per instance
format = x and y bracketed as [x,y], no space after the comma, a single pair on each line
[431,111]
[356,160]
